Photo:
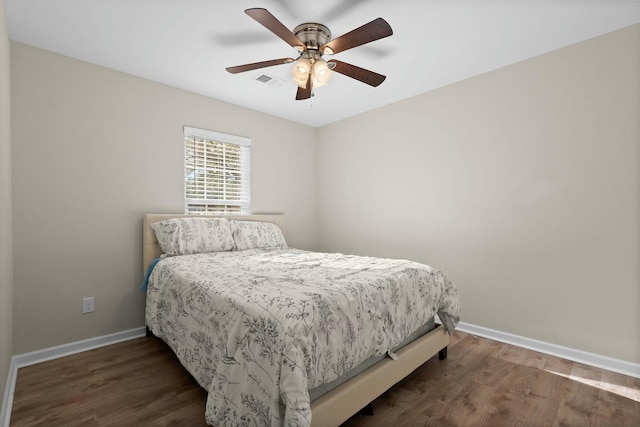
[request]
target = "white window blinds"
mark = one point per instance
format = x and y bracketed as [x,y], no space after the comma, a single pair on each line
[216,172]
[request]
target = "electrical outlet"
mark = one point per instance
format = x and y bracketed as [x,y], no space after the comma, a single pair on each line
[87,305]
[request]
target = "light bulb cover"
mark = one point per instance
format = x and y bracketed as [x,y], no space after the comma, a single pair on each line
[320,74]
[300,71]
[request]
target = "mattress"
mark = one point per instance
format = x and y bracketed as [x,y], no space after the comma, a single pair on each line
[321,390]
[260,329]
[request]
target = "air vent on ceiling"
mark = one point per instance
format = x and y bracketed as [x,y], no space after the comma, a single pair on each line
[270,80]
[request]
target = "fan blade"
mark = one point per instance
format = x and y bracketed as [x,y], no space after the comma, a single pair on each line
[374,30]
[254,66]
[361,74]
[304,93]
[271,23]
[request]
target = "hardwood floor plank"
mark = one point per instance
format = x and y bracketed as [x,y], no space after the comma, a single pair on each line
[528,389]
[136,382]
[481,383]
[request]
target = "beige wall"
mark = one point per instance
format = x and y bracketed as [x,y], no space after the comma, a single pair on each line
[93,150]
[522,184]
[6,264]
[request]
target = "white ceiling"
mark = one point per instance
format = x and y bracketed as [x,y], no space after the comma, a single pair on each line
[188,43]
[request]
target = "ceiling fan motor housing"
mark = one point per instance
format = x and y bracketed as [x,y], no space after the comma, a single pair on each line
[312,34]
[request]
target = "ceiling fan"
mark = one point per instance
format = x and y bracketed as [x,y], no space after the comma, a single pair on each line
[313,40]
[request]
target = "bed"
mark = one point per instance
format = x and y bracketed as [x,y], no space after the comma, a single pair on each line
[303,353]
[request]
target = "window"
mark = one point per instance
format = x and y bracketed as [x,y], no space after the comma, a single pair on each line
[216,172]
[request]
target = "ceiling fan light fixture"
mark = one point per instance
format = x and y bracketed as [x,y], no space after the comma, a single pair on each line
[313,40]
[300,71]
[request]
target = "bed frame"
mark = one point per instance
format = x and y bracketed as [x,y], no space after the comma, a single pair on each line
[337,406]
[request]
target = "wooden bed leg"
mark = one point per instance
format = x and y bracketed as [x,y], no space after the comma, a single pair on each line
[148,332]
[367,410]
[442,354]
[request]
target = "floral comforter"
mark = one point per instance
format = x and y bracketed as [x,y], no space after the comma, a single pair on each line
[257,329]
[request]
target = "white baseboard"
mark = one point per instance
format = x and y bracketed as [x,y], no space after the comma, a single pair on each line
[7,402]
[26,359]
[56,352]
[591,359]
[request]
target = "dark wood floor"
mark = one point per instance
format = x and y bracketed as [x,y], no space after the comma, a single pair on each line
[482,383]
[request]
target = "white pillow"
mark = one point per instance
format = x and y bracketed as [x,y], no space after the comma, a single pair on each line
[257,235]
[185,236]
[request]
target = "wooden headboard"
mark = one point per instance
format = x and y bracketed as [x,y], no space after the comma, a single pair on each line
[151,248]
